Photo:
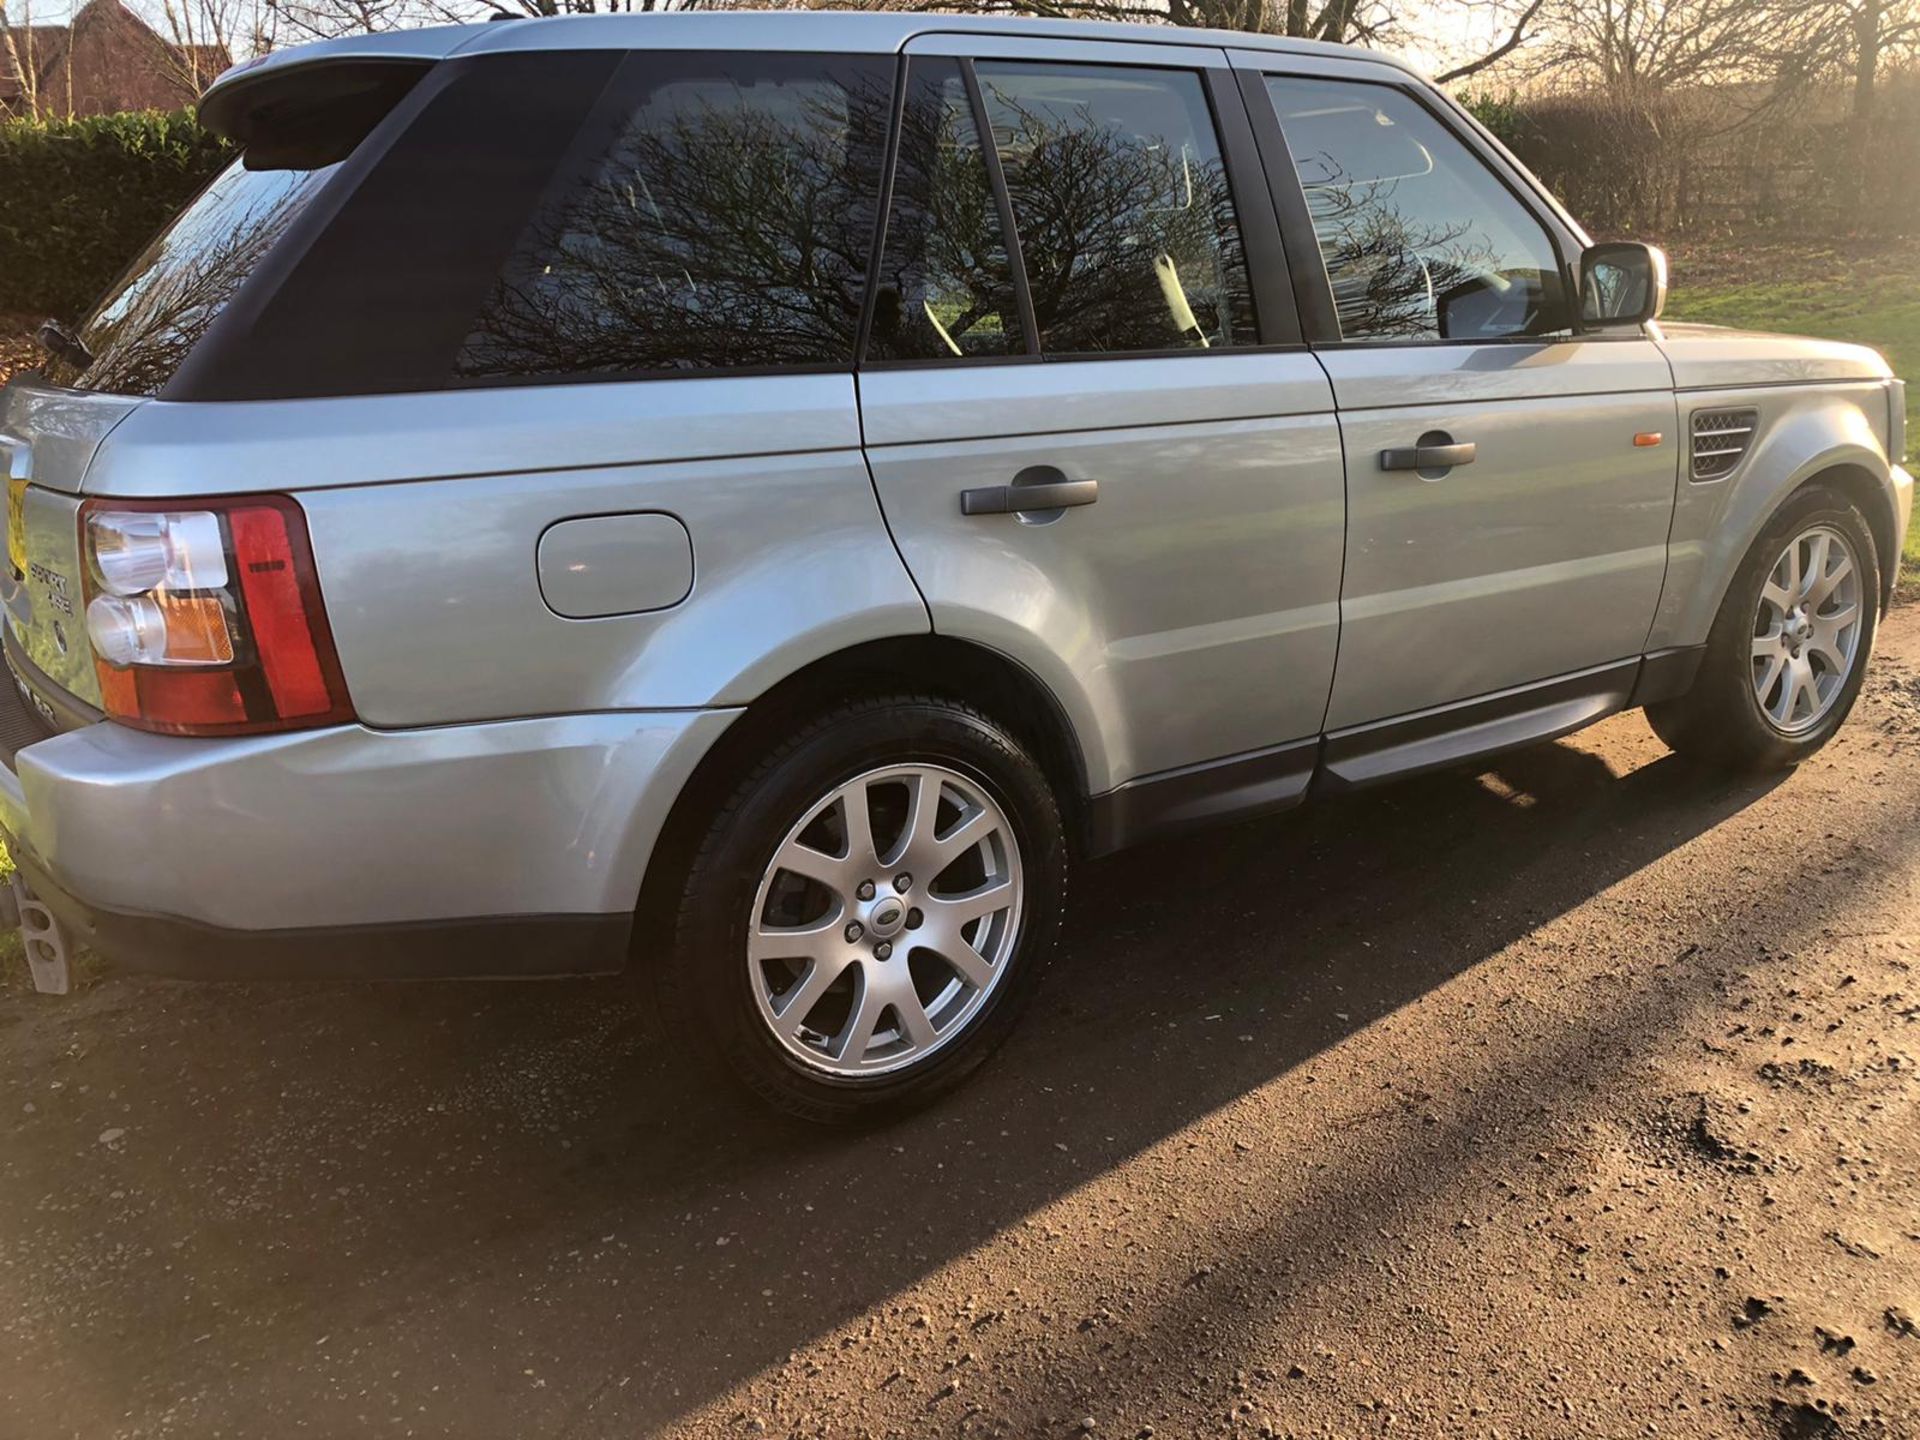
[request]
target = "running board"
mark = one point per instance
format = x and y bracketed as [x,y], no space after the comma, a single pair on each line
[1262,782]
[1448,735]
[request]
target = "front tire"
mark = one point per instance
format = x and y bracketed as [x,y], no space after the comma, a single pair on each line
[870,909]
[1788,650]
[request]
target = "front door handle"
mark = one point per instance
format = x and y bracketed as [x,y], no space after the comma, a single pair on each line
[1033,490]
[1436,450]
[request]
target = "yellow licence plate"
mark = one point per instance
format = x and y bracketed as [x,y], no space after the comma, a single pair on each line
[17,526]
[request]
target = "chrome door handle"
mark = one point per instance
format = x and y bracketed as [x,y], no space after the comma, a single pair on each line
[1436,450]
[1032,490]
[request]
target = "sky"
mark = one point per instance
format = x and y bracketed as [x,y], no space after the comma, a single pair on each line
[1428,56]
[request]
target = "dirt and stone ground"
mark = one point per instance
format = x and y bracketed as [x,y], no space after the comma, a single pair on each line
[1577,1099]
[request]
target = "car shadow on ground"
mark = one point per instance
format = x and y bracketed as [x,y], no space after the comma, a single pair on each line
[442,1174]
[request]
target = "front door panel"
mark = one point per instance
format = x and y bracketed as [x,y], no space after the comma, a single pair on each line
[1543,555]
[1510,480]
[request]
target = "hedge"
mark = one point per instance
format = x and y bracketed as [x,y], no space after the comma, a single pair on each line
[80,198]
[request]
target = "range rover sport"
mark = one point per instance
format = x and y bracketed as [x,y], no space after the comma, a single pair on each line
[768,493]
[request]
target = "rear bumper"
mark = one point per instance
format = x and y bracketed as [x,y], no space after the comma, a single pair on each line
[503,947]
[501,849]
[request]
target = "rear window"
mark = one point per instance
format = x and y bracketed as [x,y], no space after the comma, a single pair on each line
[159,309]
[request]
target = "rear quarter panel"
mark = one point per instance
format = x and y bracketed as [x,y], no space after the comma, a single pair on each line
[426,513]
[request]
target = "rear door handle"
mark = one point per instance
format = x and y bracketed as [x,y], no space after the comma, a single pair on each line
[1437,450]
[1025,496]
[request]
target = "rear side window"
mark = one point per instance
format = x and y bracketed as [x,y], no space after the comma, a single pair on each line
[1121,202]
[1421,241]
[716,213]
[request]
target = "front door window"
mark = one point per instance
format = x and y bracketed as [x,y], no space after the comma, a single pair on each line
[1420,240]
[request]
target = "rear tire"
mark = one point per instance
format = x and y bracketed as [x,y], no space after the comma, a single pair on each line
[1788,650]
[845,965]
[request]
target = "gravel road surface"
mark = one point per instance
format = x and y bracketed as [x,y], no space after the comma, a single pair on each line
[1580,1098]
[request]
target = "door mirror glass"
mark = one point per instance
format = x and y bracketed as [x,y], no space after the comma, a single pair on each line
[1622,284]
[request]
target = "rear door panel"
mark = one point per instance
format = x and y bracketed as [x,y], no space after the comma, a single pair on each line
[1188,615]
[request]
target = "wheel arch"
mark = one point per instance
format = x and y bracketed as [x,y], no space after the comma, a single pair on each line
[1714,535]
[1875,502]
[962,670]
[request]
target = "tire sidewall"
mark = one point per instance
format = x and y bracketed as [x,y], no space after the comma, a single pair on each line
[727,873]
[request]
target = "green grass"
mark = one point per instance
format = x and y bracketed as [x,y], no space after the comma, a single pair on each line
[1875,304]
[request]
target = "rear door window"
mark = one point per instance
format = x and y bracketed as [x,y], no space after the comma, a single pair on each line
[1122,207]
[717,213]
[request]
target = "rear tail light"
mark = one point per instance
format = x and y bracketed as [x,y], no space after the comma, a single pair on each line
[207,619]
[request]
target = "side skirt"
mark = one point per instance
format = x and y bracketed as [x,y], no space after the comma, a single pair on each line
[1264,782]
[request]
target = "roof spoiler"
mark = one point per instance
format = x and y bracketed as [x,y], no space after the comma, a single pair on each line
[311,105]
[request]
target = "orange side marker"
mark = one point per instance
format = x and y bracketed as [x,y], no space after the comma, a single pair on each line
[1647,439]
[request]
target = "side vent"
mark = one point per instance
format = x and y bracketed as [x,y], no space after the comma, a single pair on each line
[1720,440]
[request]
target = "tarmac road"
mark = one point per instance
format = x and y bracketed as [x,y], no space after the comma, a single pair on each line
[1578,1098]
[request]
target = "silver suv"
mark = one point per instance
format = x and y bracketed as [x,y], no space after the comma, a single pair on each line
[765,494]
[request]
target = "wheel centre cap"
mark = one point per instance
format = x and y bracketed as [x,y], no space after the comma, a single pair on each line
[886,917]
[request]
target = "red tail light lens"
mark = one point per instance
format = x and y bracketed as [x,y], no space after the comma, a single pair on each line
[206,617]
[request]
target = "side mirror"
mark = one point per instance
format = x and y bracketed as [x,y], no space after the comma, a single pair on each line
[1622,284]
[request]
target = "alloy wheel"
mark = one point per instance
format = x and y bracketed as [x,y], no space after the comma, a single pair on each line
[1806,633]
[885,919]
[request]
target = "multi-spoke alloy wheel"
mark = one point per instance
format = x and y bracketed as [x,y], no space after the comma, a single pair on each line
[1806,633]
[886,918]
[871,906]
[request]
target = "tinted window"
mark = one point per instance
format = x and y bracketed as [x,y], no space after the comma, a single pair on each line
[945,288]
[159,309]
[724,218]
[1420,240]
[1120,200]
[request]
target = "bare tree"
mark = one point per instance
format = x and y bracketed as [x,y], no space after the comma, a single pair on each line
[205,36]
[301,20]
[20,61]
[1856,38]
[1642,46]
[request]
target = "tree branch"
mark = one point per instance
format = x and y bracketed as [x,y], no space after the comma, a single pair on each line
[1517,37]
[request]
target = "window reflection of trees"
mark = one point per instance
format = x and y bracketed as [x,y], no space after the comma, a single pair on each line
[1419,238]
[1115,225]
[726,227]
[1388,267]
[167,299]
[945,286]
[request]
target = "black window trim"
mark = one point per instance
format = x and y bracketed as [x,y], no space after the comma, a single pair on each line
[1320,319]
[1276,311]
[1003,201]
[208,364]
[883,212]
